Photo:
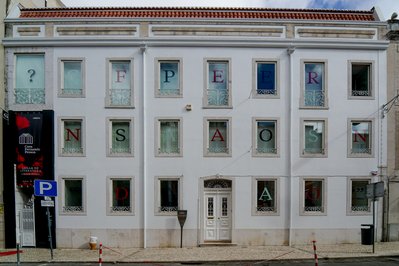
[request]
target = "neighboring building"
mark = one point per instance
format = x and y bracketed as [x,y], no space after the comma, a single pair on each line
[5,7]
[392,115]
[264,124]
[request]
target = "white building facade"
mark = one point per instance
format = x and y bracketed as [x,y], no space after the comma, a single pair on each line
[264,124]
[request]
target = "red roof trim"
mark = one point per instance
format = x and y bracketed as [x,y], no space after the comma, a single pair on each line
[195,12]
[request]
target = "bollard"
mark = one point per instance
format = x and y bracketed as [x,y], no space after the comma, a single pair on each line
[316,261]
[18,261]
[100,254]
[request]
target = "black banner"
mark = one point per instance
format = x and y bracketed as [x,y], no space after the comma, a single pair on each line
[29,150]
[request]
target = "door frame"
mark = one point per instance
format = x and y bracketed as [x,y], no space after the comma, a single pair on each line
[201,210]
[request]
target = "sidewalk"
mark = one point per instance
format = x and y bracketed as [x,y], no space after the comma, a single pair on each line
[205,254]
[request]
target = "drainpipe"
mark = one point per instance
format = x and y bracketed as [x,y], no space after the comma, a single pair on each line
[143,50]
[290,51]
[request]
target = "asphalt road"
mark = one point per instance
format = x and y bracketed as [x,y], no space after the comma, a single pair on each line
[383,261]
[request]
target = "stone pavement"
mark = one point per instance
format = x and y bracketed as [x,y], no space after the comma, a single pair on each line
[205,254]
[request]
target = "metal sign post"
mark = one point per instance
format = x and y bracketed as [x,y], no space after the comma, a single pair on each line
[374,191]
[47,189]
[181,216]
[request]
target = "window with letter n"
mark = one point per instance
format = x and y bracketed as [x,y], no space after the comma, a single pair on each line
[361,138]
[72,137]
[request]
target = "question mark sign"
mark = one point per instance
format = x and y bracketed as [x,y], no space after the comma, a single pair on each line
[32,72]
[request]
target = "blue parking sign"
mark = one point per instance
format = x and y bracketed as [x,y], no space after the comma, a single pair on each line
[45,188]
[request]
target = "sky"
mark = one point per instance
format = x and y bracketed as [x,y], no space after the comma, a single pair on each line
[387,7]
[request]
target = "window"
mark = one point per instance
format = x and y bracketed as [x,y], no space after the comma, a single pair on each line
[120,137]
[217,136]
[266,192]
[71,137]
[360,80]
[358,203]
[313,196]
[29,79]
[168,195]
[217,83]
[120,196]
[360,138]
[265,79]
[120,84]
[314,138]
[72,78]
[169,137]
[168,78]
[265,137]
[72,196]
[314,82]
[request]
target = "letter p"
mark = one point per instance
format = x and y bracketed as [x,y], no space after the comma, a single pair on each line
[44,186]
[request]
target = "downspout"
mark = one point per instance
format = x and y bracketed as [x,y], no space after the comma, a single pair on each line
[143,50]
[290,51]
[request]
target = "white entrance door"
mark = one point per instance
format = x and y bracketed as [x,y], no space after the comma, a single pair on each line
[217,216]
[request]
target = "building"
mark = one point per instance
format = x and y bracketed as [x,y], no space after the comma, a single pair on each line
[391,113]
[264,124]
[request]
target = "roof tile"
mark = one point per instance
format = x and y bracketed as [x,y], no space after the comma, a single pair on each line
[201,13]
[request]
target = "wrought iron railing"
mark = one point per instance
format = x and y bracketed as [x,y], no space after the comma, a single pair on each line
[360,208]
[266,92]
[361,93]
[120,150]
[266,150]
[169,150]
[168,209]
[218,97]
[313,150]
[313,209]
[73,208]
[314,98]
[361,150]
[120,97]
[266,209]
[121,209]
[29,95]
[72,150]
[71,91]
[218,149]
[169,92]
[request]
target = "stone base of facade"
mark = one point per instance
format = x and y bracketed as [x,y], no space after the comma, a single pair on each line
[165,238]
[118,238]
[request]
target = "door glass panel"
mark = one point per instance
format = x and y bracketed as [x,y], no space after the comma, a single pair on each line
[224,206]
[210,208]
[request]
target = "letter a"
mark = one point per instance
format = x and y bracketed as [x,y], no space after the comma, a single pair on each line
[217,135]
[265,195]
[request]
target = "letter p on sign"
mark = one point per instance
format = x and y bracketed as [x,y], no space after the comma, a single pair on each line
[45,188]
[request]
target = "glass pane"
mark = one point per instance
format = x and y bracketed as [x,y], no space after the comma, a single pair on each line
[218,137]
[313,196]
[72,137]
[218,83]
[73,195]
[361,137]
[314,137]
[266,137]
[29,79]
[72,78]
[266,78]
[121,195]
[361,80]
[359,199]
[169,195]
[210,207]
[169,137]
[120,137]
[224,207]
[120,84]
[314,84]
[169,80]
[266,201]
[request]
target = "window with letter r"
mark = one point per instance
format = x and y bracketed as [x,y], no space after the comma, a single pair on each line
[314,77]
